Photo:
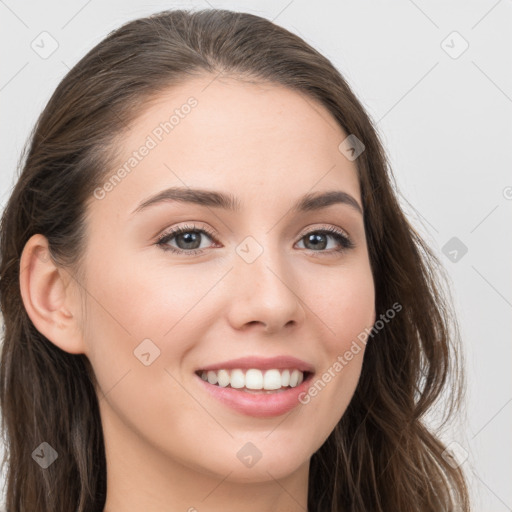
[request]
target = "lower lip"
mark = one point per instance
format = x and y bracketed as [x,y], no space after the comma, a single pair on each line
[258,404]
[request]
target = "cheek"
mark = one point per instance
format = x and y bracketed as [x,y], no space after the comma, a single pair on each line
[129,311]
[143,301]
[346,309]
[130,303]
[344,305]
[351,321]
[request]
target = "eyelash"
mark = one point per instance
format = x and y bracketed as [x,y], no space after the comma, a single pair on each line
[345,242]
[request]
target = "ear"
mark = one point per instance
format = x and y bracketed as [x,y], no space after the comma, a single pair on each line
[49,296]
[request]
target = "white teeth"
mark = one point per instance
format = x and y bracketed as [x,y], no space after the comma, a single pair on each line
[272,379]
[294,378]
[223,378]
[254,379]
[237,379]
[285,378]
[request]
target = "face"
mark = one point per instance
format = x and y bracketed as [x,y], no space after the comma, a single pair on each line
[270,286]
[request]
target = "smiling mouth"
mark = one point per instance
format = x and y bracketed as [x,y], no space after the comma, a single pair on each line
[254,380]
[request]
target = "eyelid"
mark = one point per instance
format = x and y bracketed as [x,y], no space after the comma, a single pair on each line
[214,234]
[210,232]
[323,227]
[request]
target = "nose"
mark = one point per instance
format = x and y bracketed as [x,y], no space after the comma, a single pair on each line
[264,295]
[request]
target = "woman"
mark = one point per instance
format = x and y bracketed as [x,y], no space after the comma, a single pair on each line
[212,299]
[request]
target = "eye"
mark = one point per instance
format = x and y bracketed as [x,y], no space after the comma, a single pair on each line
[186,236]
[188,240]
[317,238]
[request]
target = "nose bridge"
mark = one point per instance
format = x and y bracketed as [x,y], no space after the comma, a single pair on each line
[261,272]
[260,259]
[264,284]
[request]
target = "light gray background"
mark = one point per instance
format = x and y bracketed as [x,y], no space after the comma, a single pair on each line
[445,122]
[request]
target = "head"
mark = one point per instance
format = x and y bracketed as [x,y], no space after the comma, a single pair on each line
[111,316]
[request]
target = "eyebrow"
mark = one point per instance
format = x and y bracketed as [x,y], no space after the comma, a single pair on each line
[214,199]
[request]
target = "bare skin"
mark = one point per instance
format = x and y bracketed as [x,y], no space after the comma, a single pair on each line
[170,446]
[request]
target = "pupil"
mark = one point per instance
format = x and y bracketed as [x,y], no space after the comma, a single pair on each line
[189,238]
[315,239]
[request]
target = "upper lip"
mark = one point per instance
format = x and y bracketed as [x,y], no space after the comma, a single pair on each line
[262,363]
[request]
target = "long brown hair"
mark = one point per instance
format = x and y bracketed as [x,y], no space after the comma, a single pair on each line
[381,457]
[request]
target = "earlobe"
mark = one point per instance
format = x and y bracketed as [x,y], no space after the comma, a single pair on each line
[49,303]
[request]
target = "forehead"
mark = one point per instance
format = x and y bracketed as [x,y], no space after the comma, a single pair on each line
[265,141]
